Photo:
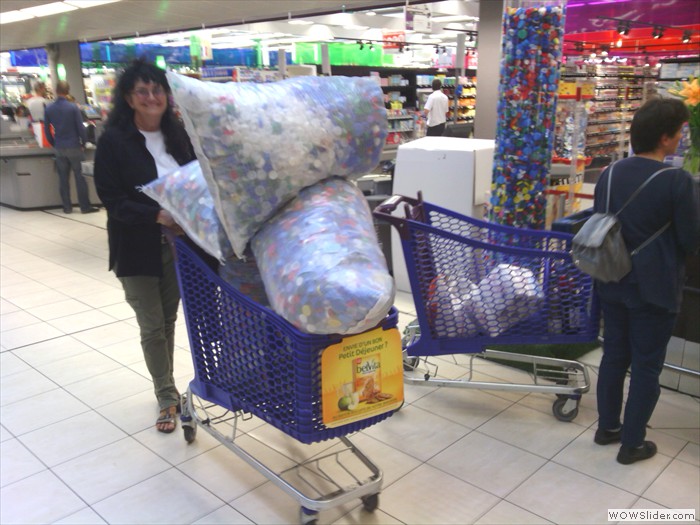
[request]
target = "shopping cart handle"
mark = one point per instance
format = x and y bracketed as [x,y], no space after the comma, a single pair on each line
[386,208]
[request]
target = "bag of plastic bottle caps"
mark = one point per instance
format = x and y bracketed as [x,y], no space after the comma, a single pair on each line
[260,144]
[449,306]
[244,276]
[184,193]
[322,266]
[506,296]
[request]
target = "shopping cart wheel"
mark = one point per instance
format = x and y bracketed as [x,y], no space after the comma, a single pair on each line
[308,516]
[410,363]
[190,432]
[371,502]
[565,409]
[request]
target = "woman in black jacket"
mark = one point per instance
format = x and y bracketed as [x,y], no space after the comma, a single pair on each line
[144,139]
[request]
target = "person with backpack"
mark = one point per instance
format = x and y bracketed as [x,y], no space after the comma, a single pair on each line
[639,311]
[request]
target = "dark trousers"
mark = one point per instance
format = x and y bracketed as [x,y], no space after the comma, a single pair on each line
[67,159]
[436,131]
[636,334]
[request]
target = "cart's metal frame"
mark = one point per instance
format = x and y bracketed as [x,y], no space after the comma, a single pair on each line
[195,413]
[569,380]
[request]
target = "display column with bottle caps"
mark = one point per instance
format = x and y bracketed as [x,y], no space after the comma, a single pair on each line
[529,77]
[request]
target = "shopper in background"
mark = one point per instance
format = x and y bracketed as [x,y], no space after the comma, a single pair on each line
[63,126]
[639,312]
[22,116]
[37,103]
[143,140]
[436,108]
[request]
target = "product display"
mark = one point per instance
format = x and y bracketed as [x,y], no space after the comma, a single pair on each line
[184,193]
[323,269]
[260,144]
[532,50]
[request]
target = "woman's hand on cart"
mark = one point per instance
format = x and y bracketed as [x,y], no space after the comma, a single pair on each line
[166,219]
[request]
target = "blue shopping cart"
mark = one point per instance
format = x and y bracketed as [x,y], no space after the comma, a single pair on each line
[477,284]
[248,361]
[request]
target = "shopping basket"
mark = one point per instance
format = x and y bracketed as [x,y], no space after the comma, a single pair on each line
[248,360]
[477,284]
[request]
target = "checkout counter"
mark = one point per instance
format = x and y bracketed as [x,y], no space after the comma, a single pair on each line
[28,178]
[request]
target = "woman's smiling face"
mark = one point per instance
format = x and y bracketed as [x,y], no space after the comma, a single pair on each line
[148,100]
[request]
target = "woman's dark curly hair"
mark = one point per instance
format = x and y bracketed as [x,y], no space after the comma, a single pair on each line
[177,142]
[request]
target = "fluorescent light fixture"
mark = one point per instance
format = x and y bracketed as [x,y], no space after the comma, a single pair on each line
[353,27]
[371,13]
[53,8]
[14,16]
[299,22]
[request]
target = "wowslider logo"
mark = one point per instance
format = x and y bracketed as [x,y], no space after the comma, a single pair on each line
[674,515]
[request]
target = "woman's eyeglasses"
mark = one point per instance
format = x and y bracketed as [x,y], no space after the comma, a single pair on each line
[145,93]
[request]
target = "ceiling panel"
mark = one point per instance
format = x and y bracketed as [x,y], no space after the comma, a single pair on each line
[129,17]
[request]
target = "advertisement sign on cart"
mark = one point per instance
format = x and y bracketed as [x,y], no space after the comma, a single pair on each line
[362,376]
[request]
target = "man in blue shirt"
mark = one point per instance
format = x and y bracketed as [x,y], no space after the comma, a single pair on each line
[63,124]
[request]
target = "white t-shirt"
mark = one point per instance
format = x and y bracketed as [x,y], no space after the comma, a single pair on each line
[36,106]
[155,143]
[437,106]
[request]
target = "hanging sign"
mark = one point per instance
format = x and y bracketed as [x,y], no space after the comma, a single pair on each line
[205,49]
[418,19]
[361,377]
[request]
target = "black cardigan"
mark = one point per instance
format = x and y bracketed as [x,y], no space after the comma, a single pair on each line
[658,269]
[122,165]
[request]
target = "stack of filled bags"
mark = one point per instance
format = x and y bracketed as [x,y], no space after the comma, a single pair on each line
[274,171]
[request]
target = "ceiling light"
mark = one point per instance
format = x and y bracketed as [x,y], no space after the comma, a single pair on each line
[14,16]
[618,43]
[658,32]
[53,8]
[299,22]
[370,13]
[686,36]
[623,27]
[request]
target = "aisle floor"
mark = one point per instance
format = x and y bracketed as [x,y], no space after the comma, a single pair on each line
[78,443]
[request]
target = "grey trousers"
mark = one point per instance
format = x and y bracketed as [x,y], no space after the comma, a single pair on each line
[155,301]
[67,159]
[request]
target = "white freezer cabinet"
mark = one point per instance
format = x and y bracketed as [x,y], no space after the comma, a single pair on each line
[454,173]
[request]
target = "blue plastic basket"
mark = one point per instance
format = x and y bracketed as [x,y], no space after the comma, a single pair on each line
[248,358]
[462,273]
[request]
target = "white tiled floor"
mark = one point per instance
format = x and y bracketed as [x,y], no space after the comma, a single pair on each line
[78,443]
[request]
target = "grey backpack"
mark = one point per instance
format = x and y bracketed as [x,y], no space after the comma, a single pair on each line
[598,248]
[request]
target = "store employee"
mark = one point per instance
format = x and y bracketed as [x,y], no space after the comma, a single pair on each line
[436,110]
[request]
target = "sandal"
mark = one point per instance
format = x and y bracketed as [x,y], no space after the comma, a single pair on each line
[166,421]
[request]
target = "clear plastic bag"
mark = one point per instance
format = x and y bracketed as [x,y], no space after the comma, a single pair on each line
[260,144]
[322,266]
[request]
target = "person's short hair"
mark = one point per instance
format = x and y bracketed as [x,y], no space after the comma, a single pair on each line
[437,84]
[39,86]
[656,118]
[62,88]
